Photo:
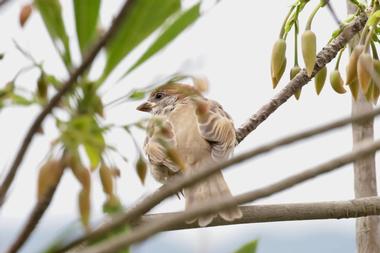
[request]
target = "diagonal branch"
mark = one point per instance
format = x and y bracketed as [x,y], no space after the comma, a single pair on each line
[35,216]
[177,184]
[142,232]
[325,56]
[3,2]
[67,86]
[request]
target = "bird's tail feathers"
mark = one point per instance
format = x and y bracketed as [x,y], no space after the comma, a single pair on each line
[211,189]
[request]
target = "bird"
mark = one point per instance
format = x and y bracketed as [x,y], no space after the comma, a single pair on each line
[188,132]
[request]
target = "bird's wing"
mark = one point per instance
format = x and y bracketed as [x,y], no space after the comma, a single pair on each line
[157,143]
[218,129]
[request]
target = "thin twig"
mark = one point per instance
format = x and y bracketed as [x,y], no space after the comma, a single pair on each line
[179,183]
[122,241]
[327,54]
[35,216]
[67,86]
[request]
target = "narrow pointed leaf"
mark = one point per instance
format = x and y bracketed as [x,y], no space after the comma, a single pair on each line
[86,20]
[143,19]
[51,13]
[169,34]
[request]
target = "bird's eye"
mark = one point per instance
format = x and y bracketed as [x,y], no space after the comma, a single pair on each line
[158,96]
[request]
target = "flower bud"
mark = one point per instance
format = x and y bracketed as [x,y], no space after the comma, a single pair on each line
[364,68]
[309,45]
[293,72]
[352,64]
[48,177]
[141,169]
[278,63]
[320,79]
[42,87]
[337,82]
[376,94]
[25,12]
[297,94]
[369,94]
[80,172]
[354,88]
[376,73]
[84,207]
[106,179]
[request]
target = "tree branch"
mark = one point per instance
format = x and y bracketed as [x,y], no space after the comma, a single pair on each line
[367,228]
[120,242]
[3,2]
[325,56]
[282,212]
[35,216]
[177,184]
[67,86]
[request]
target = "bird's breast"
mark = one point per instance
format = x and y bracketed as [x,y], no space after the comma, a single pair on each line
[190,144]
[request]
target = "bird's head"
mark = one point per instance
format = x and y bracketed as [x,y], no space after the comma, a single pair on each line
[167,95]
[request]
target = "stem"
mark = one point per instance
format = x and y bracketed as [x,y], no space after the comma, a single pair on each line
[363,35]
[296,43]
[311,17]
[282,32]
[368,40]
[374,51]
[338,59]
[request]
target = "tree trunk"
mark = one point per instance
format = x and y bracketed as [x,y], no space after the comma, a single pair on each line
[367,228]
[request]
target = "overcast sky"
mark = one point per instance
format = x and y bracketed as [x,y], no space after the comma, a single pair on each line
[231,45]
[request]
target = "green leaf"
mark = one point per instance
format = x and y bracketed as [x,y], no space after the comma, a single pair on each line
[374,18]
[86,20]
[143,19]
[84,130]
[20,100]
[51,13]
[137,95]
[182,22]
[1,56]
[250,247]
[93,154]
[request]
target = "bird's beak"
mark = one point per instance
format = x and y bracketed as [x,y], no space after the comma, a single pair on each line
[145,107]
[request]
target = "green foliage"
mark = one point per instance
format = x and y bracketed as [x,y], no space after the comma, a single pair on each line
[86,20]
[249,247]
[9,95]
[144,18]
[51,13]
[84,130]
[80,121]
[184,20]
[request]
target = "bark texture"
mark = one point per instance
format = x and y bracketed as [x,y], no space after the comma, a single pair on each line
[367,228]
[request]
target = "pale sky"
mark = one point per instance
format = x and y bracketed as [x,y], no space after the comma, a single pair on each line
[231,45]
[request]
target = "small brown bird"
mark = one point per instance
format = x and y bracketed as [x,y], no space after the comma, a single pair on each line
[186,133]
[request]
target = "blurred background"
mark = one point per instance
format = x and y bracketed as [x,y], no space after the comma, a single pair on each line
[230,45]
